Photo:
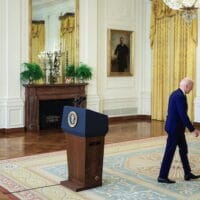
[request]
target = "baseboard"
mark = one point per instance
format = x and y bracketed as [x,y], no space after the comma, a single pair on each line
[12,130]
[127,118]
[196,125]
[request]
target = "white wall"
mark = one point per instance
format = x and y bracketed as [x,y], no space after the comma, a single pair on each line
[14,48]
[125,95]
[116,96]
[89,48]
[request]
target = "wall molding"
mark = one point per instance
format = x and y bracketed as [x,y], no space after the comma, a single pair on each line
[197,109]
[93,102]
[196,125]
[120,106]
[11,113]
[12,130]
[127,118]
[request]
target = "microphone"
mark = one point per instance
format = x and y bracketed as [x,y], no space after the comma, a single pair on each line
[78,101]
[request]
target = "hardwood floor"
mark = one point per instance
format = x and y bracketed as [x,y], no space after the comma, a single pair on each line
[23,144]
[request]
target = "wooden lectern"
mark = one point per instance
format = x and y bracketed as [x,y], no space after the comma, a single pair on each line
[85,130]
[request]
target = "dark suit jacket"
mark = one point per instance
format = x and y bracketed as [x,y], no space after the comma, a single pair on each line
[177,118]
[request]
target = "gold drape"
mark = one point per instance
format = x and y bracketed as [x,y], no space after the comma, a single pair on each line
[38,39]
[67,39]
[173,44]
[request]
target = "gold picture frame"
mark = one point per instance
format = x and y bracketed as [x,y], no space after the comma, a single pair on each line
[120,52]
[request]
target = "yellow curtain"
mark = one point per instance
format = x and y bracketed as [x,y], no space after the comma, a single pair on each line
[173,44]
[38,39]
[67,39]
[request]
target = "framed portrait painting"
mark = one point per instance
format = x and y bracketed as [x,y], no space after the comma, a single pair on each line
[120,52]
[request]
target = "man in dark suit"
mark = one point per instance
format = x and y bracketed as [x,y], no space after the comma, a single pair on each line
[176,122]
[122,53]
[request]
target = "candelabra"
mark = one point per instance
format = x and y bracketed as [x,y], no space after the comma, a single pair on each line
[50,61]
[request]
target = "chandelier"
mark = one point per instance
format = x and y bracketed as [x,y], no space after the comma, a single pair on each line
[187,6]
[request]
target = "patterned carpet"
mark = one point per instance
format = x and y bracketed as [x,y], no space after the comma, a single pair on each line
[130,172]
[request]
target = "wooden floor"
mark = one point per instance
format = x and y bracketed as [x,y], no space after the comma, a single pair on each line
[23,144]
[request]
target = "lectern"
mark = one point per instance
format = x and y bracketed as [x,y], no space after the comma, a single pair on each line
[85,130]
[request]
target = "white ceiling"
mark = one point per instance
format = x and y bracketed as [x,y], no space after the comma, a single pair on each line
[40,3]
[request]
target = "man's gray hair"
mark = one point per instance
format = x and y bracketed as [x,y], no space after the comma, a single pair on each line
[186,81]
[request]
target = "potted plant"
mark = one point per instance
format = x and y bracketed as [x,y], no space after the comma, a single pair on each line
[31,73]
[70,72]
[83,72]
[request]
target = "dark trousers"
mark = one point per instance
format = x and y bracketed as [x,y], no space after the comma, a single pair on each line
[173,141]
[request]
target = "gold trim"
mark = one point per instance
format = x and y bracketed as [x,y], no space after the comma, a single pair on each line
[131,36]
[77,17]
[30,30]
[76,31]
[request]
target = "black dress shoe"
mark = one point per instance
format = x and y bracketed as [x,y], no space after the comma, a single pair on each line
[190,176]
[165,180]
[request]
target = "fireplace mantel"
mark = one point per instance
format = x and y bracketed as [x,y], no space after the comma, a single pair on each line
[35,93]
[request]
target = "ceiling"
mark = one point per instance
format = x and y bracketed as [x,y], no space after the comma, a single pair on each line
[39,3]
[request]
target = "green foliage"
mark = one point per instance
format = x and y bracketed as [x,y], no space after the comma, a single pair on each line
[84,72]
[70,71]
[31,73]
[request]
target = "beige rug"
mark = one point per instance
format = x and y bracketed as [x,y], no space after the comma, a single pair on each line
[130,172]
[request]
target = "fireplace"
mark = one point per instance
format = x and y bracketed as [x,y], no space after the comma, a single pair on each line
[50,112]
[44,104]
